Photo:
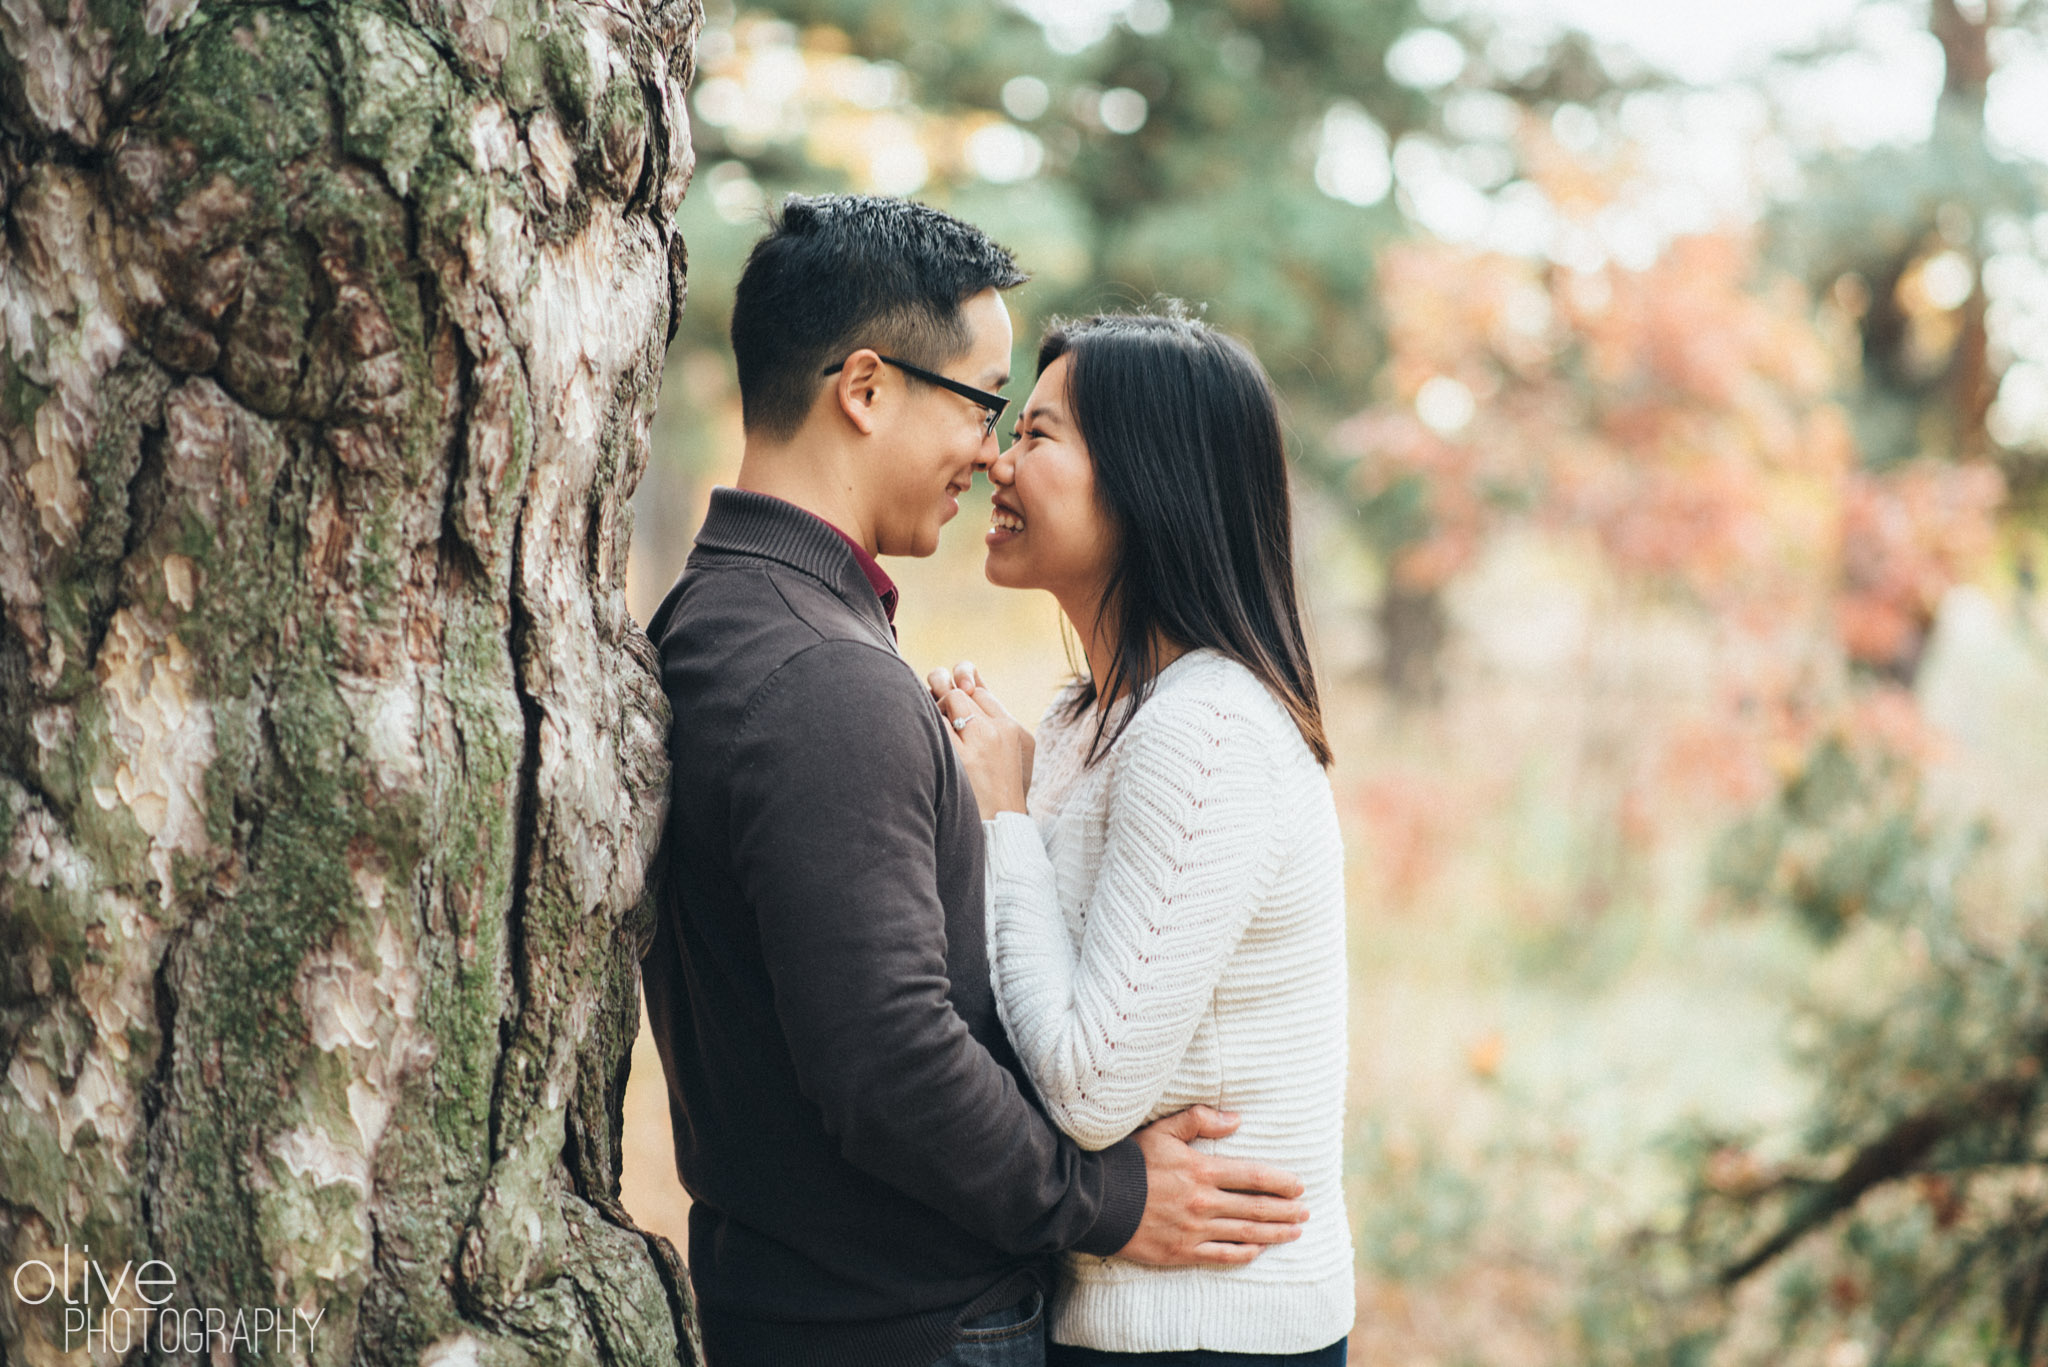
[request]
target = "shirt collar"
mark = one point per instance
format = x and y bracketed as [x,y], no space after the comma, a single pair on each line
[736,505]
[746,522]
[878,578]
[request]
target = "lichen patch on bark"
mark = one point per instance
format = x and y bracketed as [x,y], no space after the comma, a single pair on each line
[61,338]
[64,60]
[162,739]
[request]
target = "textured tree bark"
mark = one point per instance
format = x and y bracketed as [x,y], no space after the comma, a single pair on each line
[330,758]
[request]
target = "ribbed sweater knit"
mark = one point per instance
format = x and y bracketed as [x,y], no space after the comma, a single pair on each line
[1167,927]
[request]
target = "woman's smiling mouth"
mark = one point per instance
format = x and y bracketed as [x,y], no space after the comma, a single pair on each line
[1003,524]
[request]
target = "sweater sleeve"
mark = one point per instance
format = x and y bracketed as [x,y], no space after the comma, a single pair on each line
[1103,1027]
[839,774]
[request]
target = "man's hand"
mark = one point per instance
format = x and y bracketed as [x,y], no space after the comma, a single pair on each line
[1204,1210]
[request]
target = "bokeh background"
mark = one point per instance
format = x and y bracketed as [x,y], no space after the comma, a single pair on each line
[1667,386]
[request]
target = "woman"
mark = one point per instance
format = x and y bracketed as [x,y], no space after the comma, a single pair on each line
[1166,924]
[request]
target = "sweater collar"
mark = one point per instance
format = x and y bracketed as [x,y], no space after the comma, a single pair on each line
[878,578]
[743,522]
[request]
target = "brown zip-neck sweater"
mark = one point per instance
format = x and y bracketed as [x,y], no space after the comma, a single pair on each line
[866,1164]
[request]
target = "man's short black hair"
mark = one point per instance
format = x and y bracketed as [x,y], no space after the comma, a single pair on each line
[840,272]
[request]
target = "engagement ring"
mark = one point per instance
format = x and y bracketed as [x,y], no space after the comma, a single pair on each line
[960,723]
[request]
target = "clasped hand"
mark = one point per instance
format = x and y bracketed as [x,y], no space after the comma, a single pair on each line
[995,748]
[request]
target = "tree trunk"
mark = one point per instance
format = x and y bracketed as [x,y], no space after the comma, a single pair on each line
[1967,65]
[1413,630]
[330,758]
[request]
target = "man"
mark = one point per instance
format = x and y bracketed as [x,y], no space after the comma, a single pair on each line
[872,1184]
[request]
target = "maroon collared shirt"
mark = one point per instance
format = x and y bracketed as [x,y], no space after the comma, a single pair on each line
[878,578]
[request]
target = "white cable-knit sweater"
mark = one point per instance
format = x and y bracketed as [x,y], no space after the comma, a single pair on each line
[1166,928]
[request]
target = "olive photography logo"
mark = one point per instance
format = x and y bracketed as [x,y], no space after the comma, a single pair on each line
[100,1311]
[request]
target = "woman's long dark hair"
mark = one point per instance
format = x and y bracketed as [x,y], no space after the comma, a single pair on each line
[1185,435]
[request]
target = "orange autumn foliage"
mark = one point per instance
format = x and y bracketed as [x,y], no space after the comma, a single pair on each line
[1908,535]
[1680,420]
[1675,414]
[1681,416]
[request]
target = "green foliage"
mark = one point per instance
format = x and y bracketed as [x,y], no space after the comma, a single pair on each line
[1424,1208]
[1213,198]
[1864,221]
[1842,839]
[1908,1214]
[1935,351]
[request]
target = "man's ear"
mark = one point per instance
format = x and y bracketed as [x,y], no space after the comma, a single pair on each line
[857,387]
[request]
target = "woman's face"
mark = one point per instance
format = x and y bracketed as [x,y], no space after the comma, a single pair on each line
[1048,529]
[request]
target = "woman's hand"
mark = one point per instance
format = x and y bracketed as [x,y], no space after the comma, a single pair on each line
[995,748]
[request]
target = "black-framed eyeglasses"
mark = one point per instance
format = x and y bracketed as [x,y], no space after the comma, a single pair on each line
[994,403]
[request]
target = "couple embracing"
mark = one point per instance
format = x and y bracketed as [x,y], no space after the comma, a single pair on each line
[986,1049]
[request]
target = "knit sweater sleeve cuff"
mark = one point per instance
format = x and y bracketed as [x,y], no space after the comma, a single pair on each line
[1123,1199]
[1015,848]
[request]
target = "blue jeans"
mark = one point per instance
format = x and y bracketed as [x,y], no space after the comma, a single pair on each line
[1065,1355]
[1014,1337]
